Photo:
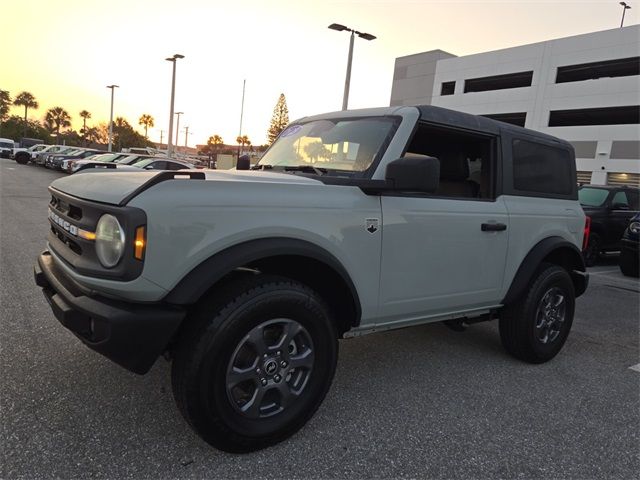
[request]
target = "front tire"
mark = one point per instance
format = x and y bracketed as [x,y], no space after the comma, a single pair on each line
[22,158]
[628,263]
[255,363]
[536,326]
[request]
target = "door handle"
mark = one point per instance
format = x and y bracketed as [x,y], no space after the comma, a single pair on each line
[493,227]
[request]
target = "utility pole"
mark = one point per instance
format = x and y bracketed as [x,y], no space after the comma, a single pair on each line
[186,136]
[625,7]
[244,83]
[347,80]
[112,87]
[177,128]
[161,134]
[174,60]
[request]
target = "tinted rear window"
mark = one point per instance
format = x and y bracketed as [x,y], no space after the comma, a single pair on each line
[542,169]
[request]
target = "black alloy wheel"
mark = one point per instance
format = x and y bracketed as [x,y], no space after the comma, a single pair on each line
[254,362]
[269,368]
[535,326]
[550,315]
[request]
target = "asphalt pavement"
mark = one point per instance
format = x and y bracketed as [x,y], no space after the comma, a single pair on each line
[422,402]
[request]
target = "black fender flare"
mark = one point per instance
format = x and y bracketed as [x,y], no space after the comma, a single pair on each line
[560,251]
[193,285]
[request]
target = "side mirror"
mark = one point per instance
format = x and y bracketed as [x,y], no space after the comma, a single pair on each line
[149,167]
[244,163]
[414,173]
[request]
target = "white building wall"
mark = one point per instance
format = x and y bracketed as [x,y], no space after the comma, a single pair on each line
[544,95]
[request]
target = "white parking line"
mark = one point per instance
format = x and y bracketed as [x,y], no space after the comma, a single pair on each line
[635,368]
[603,272]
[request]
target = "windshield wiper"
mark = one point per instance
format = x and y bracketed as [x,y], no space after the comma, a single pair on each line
[306,168]
[293,168]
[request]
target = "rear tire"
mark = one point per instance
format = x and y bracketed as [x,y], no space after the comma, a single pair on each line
[628,263]
[592,253]
[254,363]
[535,327]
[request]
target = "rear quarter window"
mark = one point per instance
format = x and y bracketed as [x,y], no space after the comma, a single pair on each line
[542,169]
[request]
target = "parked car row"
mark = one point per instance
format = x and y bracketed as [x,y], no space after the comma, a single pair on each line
[74,159]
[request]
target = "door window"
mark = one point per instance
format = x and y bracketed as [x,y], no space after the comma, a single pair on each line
[620,198]
[466,160]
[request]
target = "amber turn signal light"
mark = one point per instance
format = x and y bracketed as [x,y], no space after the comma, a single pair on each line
[139,243]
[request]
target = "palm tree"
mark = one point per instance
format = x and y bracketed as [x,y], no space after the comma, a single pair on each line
[84,114]
[215,141]
[213,147]
[147,121]
[27,100]
[5,103]
[57,118]
[243,140]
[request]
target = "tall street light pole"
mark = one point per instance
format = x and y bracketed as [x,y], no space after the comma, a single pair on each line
[625,7]
[244,84]
[347,81]
[173,96]
[112,87]
[177,128]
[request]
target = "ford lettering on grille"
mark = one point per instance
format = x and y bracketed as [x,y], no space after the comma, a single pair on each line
[62,223]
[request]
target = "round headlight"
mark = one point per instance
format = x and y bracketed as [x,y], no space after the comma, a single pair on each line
[634,227]
[109,241]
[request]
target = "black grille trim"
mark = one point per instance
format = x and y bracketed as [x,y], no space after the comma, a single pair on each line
[79,254]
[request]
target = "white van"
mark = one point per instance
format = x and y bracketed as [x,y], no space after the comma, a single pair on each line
[6,147]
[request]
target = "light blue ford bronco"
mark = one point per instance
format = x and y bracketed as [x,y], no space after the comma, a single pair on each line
[352,222]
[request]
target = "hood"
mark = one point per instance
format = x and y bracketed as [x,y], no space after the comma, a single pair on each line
[107,186]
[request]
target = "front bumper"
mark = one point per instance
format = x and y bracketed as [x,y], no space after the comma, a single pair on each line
[632,246]
[130,334]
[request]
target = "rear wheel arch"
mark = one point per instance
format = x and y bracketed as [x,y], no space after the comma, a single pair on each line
[297,259]
[554,250]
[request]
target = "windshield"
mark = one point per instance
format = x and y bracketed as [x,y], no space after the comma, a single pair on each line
[6,144]
[131,159]
[592,197]
[346,145]
[105,157]
[143,163]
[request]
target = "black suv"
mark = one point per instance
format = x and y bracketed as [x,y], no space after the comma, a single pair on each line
[630,247]
[610,209]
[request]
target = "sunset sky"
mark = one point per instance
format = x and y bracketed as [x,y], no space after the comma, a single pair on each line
[65,52]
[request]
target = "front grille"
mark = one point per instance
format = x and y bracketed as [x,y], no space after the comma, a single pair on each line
[60,206]
[68,215]
[73,245]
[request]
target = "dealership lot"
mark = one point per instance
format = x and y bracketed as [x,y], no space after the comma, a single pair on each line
[418,402]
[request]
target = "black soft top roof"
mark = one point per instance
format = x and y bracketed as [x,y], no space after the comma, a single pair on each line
[432,114]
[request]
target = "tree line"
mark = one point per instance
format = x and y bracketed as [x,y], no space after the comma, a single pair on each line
[279,120]
[55,126]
